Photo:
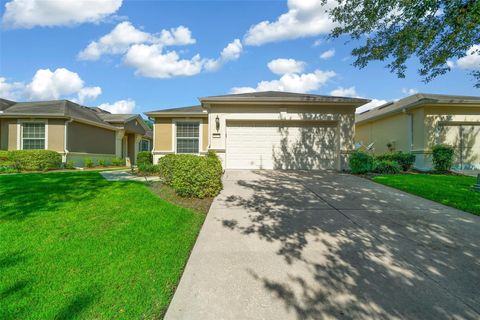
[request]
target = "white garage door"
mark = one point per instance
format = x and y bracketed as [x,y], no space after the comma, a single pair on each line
[281,145]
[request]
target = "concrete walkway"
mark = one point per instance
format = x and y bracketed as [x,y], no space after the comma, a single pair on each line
[279,245]
[121,175]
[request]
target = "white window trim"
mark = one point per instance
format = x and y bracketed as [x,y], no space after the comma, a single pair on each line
[20,122]
[200,131]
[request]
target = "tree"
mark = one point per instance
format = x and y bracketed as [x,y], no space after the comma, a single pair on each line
[435,31]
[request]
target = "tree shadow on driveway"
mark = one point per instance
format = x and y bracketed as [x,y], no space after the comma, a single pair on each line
[366,250]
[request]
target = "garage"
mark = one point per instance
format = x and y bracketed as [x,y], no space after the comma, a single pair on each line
[294,145]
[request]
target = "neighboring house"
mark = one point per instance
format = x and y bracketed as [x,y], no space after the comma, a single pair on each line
[262,130]
[418,122]
[75,131]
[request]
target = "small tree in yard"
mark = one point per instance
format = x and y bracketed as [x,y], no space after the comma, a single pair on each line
[442,157]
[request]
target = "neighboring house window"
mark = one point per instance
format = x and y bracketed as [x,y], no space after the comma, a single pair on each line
[144,145]
[33,135]
[188,138]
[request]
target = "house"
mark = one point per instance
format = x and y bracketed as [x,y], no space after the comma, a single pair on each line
[261,130]
[75,131]
[418,122]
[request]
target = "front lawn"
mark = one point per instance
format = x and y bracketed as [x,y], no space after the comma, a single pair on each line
[74,246]
[451,190]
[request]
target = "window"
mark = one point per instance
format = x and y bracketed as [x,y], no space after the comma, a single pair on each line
[144,145]
[188,137]
[33,135]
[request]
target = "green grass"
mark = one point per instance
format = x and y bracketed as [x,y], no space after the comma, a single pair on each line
[451,190]
[74,246]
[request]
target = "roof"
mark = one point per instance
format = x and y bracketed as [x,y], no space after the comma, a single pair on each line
[413,101]
[67,109]
[4,104]
[273,96]
[187,110]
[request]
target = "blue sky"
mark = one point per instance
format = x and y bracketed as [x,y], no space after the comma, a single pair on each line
[40,54]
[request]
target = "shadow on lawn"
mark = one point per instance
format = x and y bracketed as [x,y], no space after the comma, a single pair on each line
[369,251]
[25,194]
[77,305]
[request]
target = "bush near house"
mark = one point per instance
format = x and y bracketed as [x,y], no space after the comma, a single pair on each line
[387,167]
[361,162]
[191,175]
[144,157]
[88,163]
[404,159]
[117,162]
[442,157]
[32,160]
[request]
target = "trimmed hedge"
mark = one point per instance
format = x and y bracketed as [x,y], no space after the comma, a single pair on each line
[191,175]
[404,159]
[387,167]
[361,162]
[32,160]
[144,157]
[118,162]
[442,157]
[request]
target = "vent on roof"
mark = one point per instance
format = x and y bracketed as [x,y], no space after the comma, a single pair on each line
[363,112]
[385,105]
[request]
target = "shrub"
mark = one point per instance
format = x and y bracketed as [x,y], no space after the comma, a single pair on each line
[35,159]
[70,164]
[191,175]
[88,163]
[148,169]
[166,166]
[387,167]
[360,162]
[101,163]
[144,157]
[117,162]
[404,159]
[442,157]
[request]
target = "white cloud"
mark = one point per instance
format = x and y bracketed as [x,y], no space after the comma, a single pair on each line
[11,90]
[304,18]
[49,13]
[121,106]
[290,81]
[317,43]
[50,85]
[372,104]
[409,92]
[345,92]
[327,54]
[231,52]
[471,60]
[124,35]
[283,66]
[150,61]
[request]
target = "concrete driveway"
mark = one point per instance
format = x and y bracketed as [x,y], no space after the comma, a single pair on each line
[292,245]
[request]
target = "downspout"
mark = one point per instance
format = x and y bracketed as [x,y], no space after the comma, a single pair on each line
[65,147]
[410,130]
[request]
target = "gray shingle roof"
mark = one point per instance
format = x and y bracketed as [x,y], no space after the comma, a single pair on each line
[283,96]
[413,101]
[4,104]
[63,108]
[191,109]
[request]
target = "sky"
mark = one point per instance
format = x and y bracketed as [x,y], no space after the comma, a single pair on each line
[138,56]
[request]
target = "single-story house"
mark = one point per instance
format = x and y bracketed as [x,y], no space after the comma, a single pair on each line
[75,131]
[418,122]
[261,130]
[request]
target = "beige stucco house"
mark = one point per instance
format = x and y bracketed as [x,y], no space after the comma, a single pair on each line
[262,130]
[416,123]
[76,132]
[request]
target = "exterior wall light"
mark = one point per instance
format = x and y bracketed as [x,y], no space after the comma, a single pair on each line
[217,123]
